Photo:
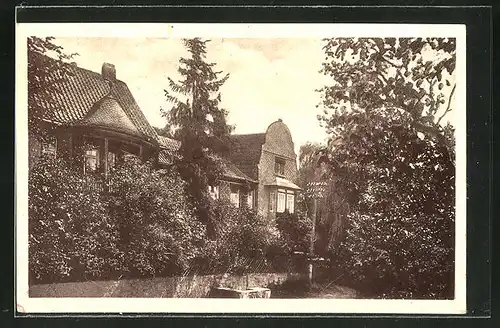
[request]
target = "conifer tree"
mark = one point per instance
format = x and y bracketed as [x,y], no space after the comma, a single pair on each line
[198,123]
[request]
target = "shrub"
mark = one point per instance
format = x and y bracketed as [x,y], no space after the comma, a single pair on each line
[393,258]
[242,238]
[158,230]
[295,231]
[71,235]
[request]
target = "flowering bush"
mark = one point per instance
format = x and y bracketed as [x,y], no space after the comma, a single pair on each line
[158,230]
[71,235]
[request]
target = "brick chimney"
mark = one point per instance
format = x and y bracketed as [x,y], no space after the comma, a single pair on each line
[108,72]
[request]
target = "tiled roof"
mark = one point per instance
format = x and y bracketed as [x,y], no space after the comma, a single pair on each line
[233,172]
[169,146]
[78,92]
[282,182]
[245,152]
[108,113]
[168,149]
[169,143]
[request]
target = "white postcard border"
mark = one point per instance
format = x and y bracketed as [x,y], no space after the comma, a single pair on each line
[153,305]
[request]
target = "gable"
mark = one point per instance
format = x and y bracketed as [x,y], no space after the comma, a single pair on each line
[279,141]
[74,96]
[108,113]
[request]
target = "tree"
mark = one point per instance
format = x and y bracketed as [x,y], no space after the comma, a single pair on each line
[199,123]
[165,131]
[414,75]
[393,160]
[332,208]
[47,66]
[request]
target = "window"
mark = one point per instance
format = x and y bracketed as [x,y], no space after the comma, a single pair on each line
[111,160]
[271,201]
[279,166]
[250,199]
[281,202]
[49,148]
[235,196]
[91,161]
[286,201]
[213,191]
[290,198]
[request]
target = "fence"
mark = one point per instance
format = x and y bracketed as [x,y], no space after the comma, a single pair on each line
[98,184]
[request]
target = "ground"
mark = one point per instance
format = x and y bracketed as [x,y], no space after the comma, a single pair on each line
[317,290]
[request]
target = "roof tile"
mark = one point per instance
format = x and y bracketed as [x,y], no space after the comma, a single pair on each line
[245,152]
[78,92]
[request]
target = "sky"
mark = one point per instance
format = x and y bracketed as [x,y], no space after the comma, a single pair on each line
[269,79]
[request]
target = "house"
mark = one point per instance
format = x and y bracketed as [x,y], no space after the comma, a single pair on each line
[269,159]
[95,122]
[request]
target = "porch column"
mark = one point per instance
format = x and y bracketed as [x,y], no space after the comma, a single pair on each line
[105,159]
[141,152]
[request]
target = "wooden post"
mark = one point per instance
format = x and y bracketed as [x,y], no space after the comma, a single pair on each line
[105,159]
[313,237]
[141,152]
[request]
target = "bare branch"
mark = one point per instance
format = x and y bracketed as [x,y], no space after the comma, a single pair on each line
[390,62]
[383,77]
[448,109]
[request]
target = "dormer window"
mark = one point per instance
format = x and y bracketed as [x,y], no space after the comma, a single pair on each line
[279,166]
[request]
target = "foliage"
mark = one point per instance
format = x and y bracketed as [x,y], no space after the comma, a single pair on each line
[242,237]
[331,212]
[71,234]
[392,160]
[199,123]
[401,192]
[165,131]
[413,75]
[295,231]
[142,227]
[157,227]
[47,67]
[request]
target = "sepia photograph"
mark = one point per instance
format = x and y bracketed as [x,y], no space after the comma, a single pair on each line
[178,167]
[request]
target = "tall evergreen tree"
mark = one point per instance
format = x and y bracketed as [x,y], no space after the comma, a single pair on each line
[199,123]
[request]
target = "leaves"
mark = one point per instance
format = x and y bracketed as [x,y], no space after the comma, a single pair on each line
[392,162]
[390,73]
[71,232]
[198,121]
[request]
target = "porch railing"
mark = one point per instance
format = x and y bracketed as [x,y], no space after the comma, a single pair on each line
[98,184]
